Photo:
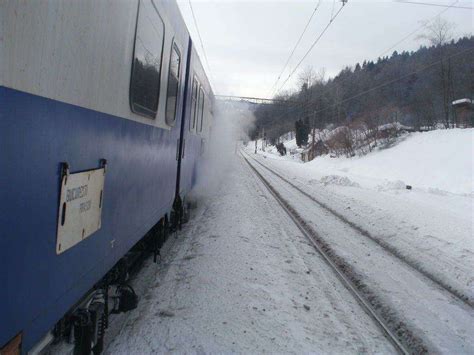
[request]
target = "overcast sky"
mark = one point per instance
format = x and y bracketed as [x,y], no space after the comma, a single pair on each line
[248,42]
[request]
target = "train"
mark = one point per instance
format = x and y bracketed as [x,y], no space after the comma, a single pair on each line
[105,113]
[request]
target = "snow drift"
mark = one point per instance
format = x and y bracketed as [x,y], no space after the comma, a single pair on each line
[441,159]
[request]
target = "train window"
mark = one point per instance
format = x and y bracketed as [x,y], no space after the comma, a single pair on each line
[194,101]
[201,108]
[173,85]
[146,67]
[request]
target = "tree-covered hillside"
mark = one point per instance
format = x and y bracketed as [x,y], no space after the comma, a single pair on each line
[414,88]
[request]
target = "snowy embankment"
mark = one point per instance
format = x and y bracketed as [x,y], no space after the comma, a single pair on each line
[430,224]
[438,161]
[396,283]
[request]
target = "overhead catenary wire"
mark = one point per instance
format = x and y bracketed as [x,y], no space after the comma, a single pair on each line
[433,4]
[312,236]
[423,25]
[307,104]
[312,46]
[418,28]
[200,41]
[312,101]
[396,80]
[296,45]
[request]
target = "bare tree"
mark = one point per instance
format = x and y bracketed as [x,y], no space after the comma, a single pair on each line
[307,77]
[438,33]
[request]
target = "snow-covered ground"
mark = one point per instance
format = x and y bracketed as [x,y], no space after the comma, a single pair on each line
[412,289]
[241,278]
[439,161]
[432,224]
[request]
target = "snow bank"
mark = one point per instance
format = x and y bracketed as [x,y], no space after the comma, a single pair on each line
[436,160]
[291,144]
[338,180]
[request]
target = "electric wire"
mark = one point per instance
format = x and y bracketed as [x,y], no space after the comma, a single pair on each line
[312,46]
[418,29]
[433,4]
[424,24]
[389,82]
[200,40]
[296,45]
[395,80]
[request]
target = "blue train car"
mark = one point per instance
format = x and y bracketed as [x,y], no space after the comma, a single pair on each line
[104,112]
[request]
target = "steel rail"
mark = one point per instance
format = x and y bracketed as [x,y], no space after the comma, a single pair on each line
[392,251]
[309,234]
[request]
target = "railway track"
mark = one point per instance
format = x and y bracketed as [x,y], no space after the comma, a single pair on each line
[323,251]
[406,338]
[393,251]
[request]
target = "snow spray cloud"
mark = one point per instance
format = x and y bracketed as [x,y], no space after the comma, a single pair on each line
[231,124]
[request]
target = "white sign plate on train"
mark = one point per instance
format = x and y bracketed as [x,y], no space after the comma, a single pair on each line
[80,207]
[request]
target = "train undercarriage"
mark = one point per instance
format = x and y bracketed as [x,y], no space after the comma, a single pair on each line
[82,329]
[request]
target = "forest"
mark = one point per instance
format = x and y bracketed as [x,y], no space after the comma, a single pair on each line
[415,89]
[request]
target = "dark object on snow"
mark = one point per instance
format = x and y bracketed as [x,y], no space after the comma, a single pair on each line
[127,299]
[281,149]
[408,187]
